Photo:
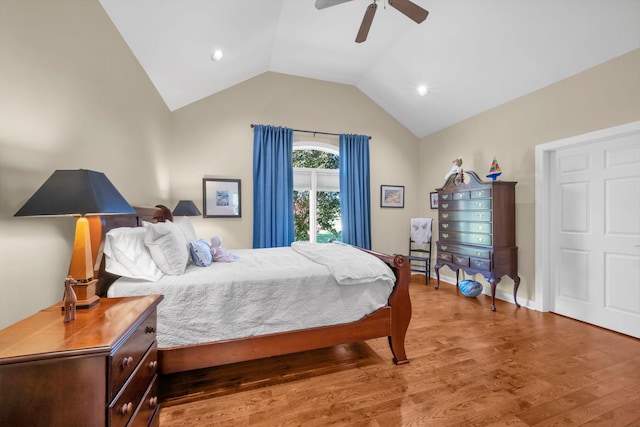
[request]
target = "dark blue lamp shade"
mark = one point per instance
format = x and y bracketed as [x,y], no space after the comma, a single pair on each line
[186,208]
[76,192]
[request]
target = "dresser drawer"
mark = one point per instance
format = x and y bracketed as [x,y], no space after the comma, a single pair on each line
[125,359]
[470,227]
[481,194]
[482,216]
[465,205]
[480,264]
[461,260]
[444,256]
[129,398]
[473,239]
[148,407]
[474,252]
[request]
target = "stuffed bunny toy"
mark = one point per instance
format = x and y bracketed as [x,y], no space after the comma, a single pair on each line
[219,253]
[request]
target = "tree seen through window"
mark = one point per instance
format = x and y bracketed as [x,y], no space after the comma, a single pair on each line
[316,196]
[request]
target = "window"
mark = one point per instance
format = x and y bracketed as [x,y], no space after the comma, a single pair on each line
[316,195]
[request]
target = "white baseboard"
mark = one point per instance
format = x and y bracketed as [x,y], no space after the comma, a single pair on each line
[503,296]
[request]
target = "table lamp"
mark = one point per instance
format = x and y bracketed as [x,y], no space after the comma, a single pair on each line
[85,194]
[186,208]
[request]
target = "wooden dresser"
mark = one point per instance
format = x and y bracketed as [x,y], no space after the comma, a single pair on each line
[99,370]
[477,230]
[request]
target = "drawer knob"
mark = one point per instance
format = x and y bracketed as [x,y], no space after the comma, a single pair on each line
[444,248]
[153,401]
[150,330]
[479,216]
[480,239]
[445,235]
[445,216]
[153,365]
[445,225]
[445,205]
[126,408]
[127,361]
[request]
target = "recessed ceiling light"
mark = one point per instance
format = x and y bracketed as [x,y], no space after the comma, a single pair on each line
[217,55]
[423,90]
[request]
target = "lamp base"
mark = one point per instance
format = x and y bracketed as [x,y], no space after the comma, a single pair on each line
[86,294]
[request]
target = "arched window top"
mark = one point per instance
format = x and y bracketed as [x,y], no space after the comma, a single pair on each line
[316,145]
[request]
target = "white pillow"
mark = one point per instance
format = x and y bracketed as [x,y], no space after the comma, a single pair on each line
[126,254]
[189,233]
[186,227]
[167,246]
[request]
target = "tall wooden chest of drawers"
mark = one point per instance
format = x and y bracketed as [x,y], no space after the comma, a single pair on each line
[99,370]
[477,230]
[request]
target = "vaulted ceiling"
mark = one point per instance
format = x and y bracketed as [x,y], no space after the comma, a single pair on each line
[471,54]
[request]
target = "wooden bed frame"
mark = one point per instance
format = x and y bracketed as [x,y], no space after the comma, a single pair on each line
[390,321]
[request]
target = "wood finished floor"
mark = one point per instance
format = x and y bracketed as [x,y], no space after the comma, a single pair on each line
[469,367]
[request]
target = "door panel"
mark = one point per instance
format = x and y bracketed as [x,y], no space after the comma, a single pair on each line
[595,232]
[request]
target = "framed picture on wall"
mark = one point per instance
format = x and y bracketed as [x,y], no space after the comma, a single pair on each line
[434,199]
[392,196]
[221,198]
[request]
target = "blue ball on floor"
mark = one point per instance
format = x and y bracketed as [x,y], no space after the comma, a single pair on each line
[470,288]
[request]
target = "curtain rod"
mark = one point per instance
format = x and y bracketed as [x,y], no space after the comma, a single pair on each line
[312,131]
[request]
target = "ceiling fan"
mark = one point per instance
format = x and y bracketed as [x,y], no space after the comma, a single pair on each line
[409,8]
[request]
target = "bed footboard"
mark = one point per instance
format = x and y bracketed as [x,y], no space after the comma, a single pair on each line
[399,303]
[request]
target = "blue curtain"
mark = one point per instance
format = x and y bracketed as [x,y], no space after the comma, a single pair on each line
[272,186]
[355,194]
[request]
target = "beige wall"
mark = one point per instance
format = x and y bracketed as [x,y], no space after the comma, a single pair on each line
[213,138]
[69,87]
[601,97]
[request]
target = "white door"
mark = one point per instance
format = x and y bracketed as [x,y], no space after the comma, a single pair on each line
[594,232]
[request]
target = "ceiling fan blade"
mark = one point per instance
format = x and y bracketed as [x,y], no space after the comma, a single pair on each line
[363,32]
[321,4]
[410,9]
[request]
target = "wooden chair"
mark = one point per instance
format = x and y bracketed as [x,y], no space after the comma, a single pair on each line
[420,256]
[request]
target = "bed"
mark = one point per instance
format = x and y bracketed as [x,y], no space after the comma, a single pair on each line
[387,318]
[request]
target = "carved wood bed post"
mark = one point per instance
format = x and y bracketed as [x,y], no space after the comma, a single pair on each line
[401,310]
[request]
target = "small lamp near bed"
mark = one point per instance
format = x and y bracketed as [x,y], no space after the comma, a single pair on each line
[85,194]
[186,208]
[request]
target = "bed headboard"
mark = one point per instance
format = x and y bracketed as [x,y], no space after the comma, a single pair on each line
[159,213]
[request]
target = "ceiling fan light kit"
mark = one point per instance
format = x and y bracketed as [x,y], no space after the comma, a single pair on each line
[217,55]
[407,7]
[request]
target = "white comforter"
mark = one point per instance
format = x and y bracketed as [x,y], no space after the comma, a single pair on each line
[266,291]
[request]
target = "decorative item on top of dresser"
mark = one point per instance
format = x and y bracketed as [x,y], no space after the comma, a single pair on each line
[494,170]
[477,226]
[456,169]
[99,370]
[70,300]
